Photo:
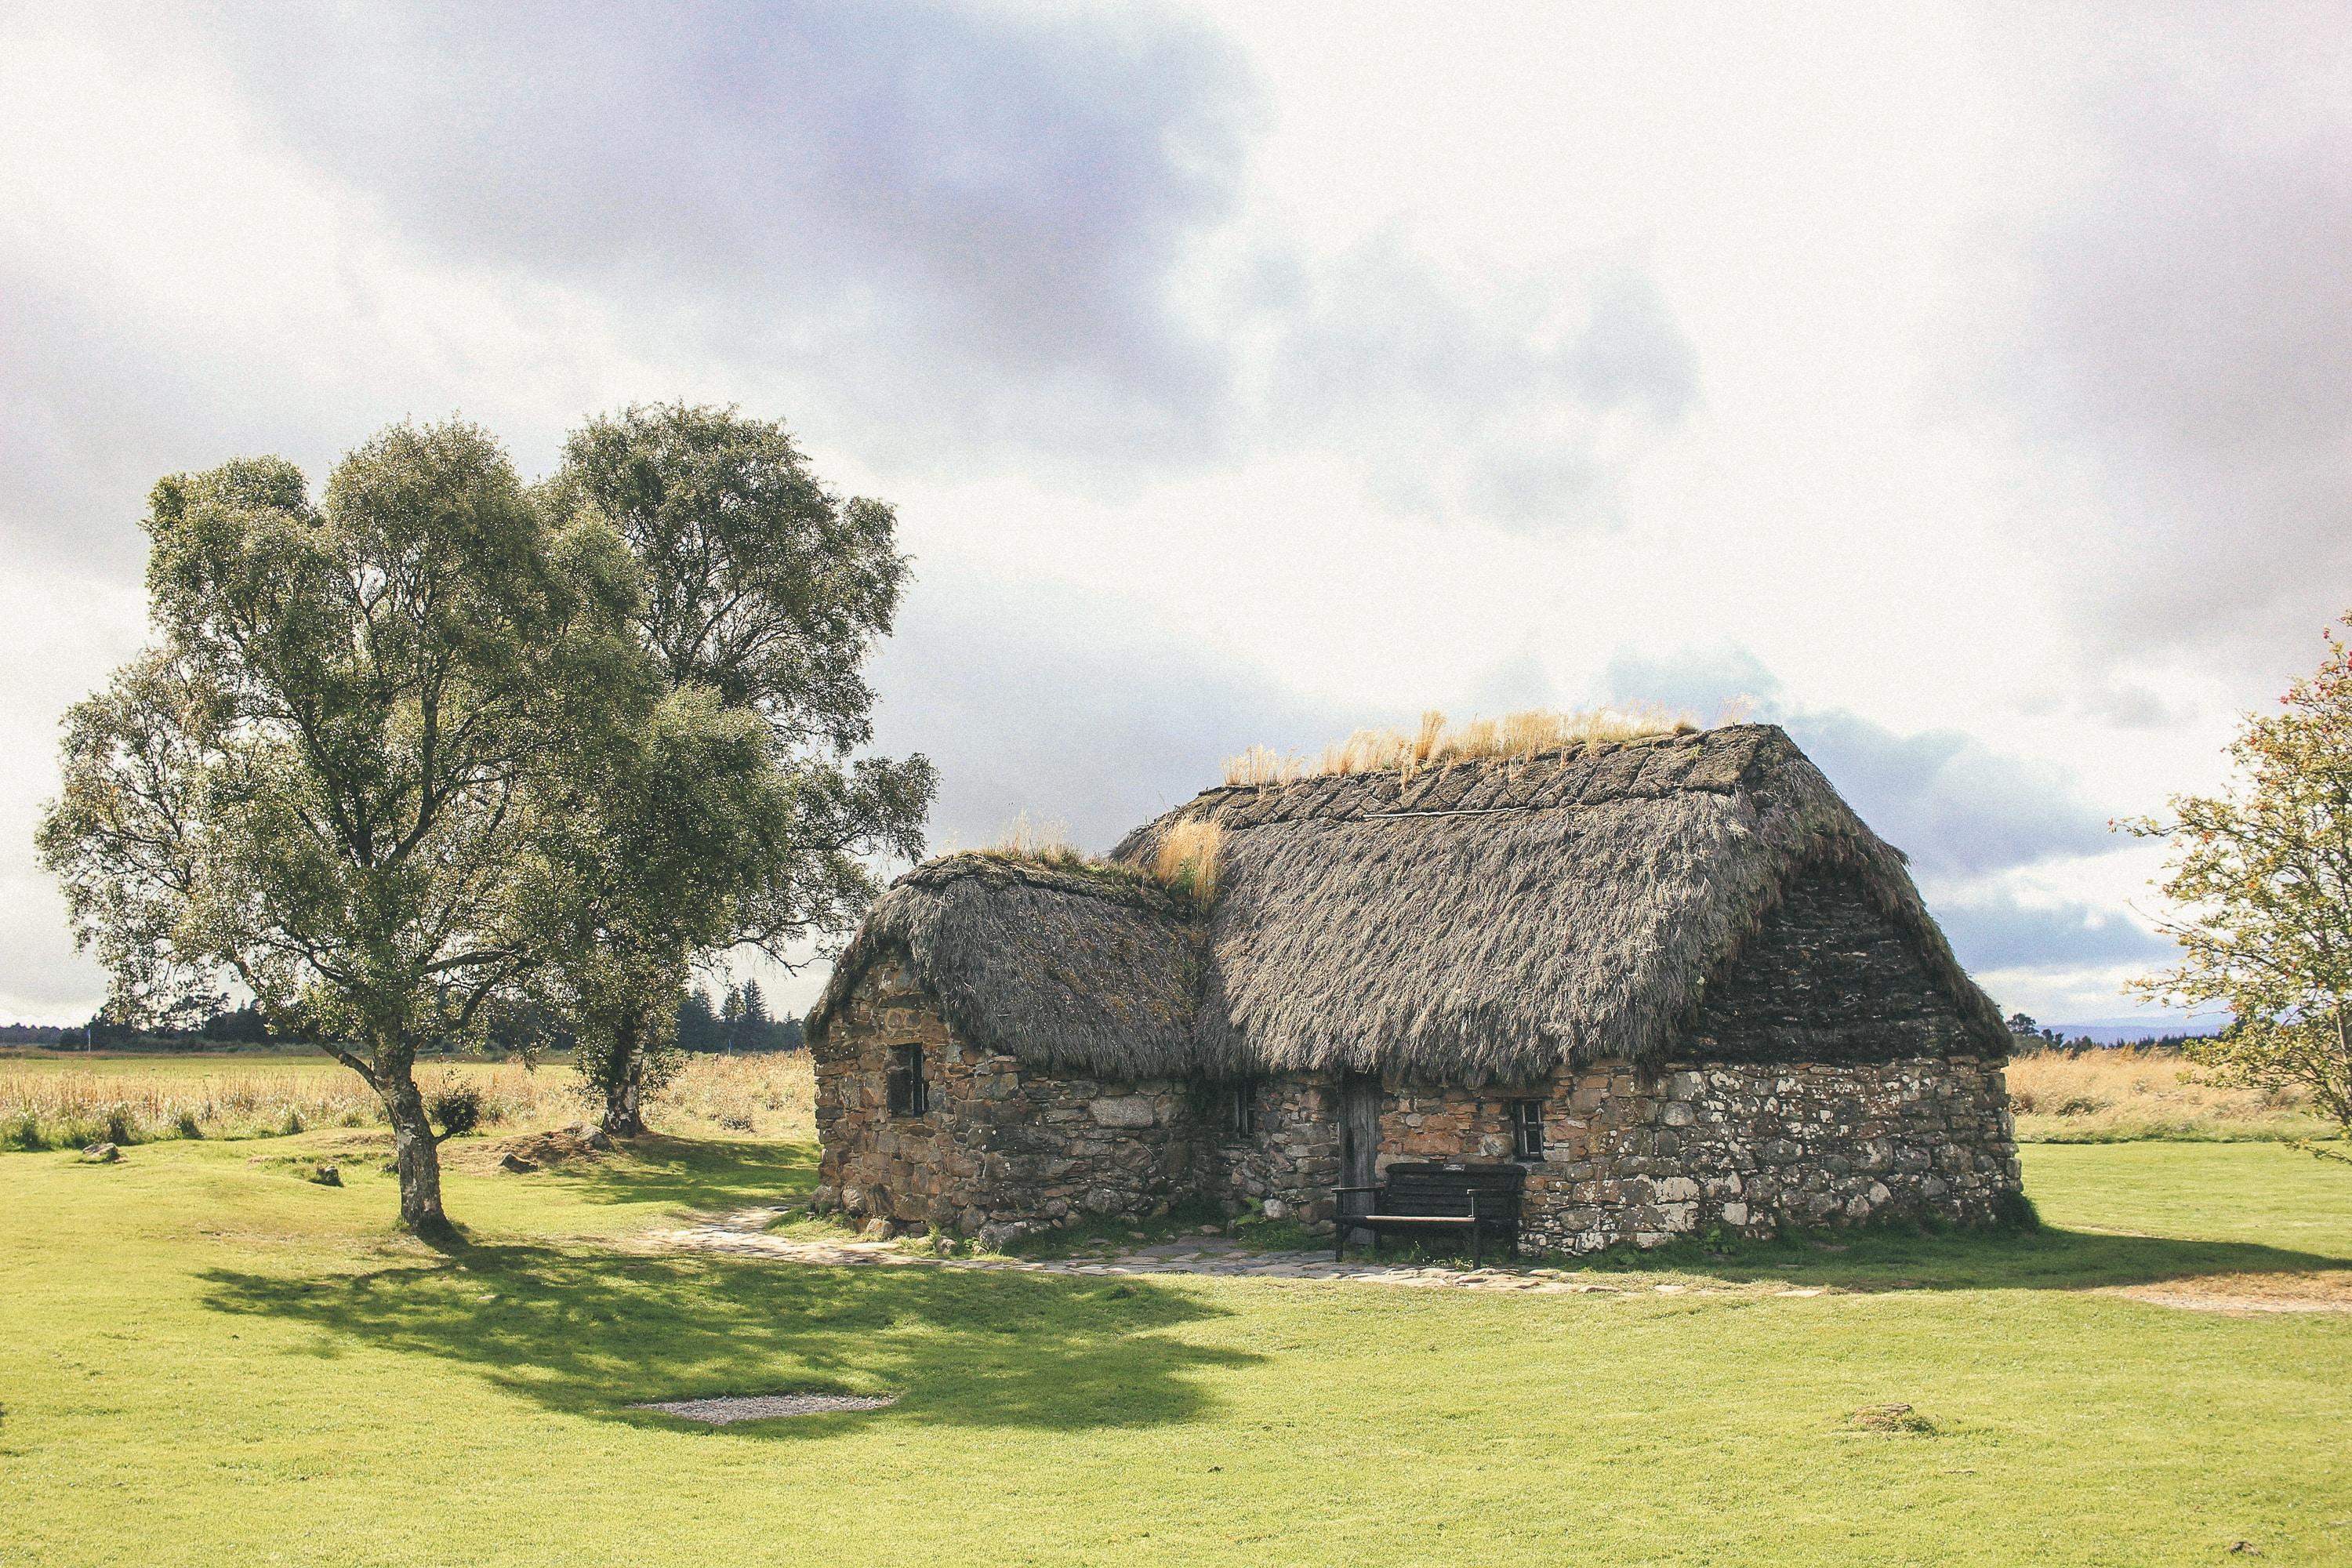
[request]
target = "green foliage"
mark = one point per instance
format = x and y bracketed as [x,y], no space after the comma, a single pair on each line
[740,1025]
[697,1027]
[2265,872]
[457,1106]
[335,777]
[740,818]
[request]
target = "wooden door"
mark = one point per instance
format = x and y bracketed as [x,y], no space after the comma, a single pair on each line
[1360,1137]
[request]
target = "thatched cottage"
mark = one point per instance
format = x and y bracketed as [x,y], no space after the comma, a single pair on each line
[1677,979]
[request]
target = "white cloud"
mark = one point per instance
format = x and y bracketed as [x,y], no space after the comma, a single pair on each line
[1244,373]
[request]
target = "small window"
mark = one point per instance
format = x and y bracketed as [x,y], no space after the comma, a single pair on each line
[909,1095]
[1526,1128]
[1241,1110]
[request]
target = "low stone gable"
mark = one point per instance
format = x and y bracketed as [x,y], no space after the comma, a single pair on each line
[1002,1148]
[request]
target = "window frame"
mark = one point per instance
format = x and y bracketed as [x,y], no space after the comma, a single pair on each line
[1526,1123]
[1241,1110]
[908,1088]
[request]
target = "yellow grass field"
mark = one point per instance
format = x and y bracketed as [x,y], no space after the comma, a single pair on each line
[2123,1095]
[63,1102]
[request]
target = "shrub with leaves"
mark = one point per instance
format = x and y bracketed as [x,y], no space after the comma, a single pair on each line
[456,1105]
[2264,875]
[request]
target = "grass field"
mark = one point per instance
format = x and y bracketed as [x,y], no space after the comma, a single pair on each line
[2116,1096]
[62,1100]
[206,1359]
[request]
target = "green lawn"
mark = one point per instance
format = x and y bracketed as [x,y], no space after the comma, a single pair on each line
[204,1359]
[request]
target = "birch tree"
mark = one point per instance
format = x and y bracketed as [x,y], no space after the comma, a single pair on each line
[335,776]
[768,593]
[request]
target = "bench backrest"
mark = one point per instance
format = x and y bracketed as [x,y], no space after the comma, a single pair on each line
[1444,1189]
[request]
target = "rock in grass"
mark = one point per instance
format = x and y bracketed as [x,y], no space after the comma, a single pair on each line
[516,1163]
[591,1136]
[328,1175]
[102,1153]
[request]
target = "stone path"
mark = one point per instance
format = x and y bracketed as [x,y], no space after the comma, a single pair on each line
[745,1233]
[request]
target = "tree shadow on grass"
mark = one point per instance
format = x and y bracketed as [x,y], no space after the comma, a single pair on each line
[694,1172]
[592,1335]
[1896,1258]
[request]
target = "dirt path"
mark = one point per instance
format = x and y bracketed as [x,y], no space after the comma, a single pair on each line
[744,1234]
[2243,1295]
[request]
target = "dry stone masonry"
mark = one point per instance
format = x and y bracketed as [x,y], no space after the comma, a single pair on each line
[1002,1148]
[1675,978]
[1006,1147]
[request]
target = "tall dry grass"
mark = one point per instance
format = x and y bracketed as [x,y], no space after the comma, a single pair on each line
[1436,743]
[1186,864]
[1189,858]
[46,1108]
[2131,1093]
[769,1095]
[1034,839]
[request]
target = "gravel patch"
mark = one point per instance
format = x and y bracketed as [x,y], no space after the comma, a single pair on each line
[729,1408]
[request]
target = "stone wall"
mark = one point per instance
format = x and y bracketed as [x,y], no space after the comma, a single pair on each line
[1864,1129]
[1290,1161]
[1827,979]
[1630,1158]
[1752,1148]
[1002,1147]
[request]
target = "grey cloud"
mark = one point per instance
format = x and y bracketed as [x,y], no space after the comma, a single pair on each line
[1499,408]
[84,405]
[2007,935]
[2175,320]
[944,235]
[1958,808]
[1031,701]
[955,221]
[1956,805]
[1701,681]
[101,400]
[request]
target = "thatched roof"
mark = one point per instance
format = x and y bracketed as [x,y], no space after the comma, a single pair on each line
[1479,923]
[1052,964]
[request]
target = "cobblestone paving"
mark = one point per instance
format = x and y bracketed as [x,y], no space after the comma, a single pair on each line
[745,1233]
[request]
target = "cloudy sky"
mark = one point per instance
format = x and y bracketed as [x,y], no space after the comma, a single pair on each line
[1964,386]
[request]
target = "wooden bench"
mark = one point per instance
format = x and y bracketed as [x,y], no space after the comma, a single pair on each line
[1424,1199]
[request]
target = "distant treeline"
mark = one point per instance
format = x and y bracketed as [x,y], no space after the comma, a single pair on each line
[740,1022]
[2032,1037]
[226,1026]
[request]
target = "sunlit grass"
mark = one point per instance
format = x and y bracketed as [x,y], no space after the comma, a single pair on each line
[2111,1095]
[250,1367]
[64,1103]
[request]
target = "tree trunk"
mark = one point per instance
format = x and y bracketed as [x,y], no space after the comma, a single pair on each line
[415,1153]
[624,1082]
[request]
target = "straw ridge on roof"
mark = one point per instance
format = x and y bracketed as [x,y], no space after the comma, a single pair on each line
[1478,922]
